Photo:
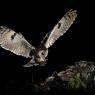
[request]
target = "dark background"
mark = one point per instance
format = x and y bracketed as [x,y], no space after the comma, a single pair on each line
[35,19]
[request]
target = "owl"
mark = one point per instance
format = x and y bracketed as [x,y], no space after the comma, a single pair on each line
[17,44]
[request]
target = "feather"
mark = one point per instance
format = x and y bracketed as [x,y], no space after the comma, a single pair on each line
[60,28]
[14,42]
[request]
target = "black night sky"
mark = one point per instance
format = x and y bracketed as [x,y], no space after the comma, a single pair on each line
[35,19]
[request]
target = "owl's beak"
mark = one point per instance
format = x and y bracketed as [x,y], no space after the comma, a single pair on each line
[42,63]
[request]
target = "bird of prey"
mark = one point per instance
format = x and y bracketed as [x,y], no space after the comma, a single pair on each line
[16,43]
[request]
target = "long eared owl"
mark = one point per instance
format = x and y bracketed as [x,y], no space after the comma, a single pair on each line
[16,43]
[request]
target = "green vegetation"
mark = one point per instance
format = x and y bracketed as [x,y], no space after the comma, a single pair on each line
[76,82]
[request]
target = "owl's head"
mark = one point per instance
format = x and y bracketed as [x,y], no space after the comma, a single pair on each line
[41,57]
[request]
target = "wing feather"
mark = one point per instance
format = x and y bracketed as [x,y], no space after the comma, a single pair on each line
[14,42]
[60,28]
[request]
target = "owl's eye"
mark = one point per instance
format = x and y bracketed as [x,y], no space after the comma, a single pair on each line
[42,53]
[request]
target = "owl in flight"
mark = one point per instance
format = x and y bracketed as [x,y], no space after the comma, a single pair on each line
[16,43]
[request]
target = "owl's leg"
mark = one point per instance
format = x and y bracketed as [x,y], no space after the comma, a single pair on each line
[31,63]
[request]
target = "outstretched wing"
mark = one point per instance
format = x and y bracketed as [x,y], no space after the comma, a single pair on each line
[14,42]
[62,26]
